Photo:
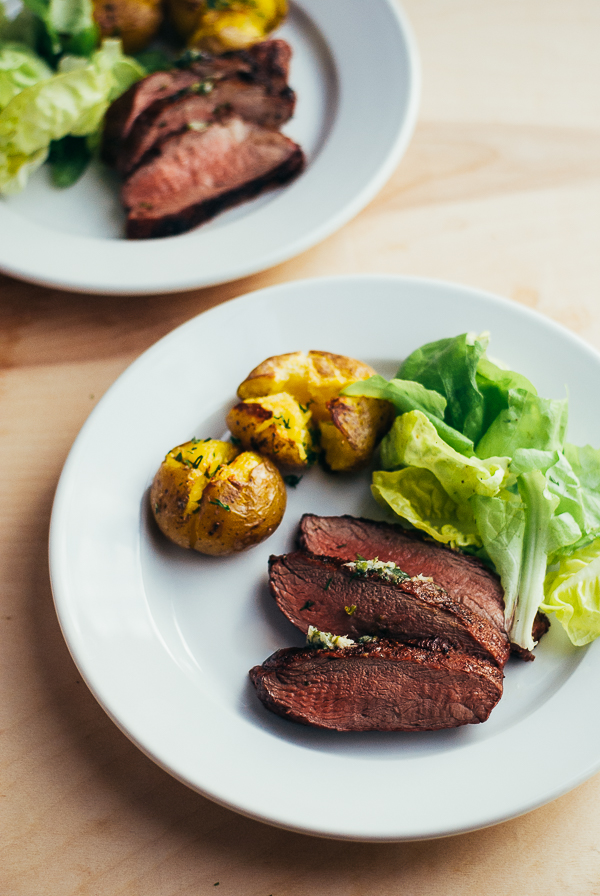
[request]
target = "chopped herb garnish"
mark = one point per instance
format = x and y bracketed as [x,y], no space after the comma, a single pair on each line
[285,422]
[308,605]
[209,439]
[292,480]
[220,504]
[360,559]
[196,463]
[388,572]
[341,545]
[179,457]
[235,441]
[328,583]
[351,609]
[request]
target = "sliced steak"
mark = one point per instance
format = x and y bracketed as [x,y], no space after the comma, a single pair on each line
[466,579]
[198,173]
[266,64]
[250,100]
[333,597]
[380,686]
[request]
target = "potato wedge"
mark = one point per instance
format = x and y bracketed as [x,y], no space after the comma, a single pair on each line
[210,497]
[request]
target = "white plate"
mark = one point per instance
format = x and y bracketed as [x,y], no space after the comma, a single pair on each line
[165,638]
[356,75]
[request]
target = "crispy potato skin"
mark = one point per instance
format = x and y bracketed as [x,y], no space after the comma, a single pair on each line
[349,428]
[134,21]
[276,426]
[238,24]
[210,497]
[356,424]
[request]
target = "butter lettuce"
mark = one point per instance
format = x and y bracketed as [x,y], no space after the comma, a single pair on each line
[20,68]
[572,594]
[73,101]
[414,441]
[477,460]
[416,495]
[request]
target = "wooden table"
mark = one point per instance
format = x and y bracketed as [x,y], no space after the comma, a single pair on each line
[500,189]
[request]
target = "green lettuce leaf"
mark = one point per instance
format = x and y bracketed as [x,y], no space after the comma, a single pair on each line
[407,395]
[23,29]
[71,102]
[20,68]
[495,383]
[449,366]
[528,422]
[69,26]
[416,495]
[572,594]
[501,524]
[413,441]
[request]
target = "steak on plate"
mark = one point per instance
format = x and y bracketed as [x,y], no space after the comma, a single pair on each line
[197,174]
[165,117]
[465,578]
[332,596]
[265,64]
[381,686]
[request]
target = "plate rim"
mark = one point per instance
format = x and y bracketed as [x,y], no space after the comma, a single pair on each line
[249,267]
[566,785]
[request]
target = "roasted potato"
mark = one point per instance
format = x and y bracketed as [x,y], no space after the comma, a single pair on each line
[210,497]
[349,428]
[354,427]
[276,426]
[134,21]
[222,25]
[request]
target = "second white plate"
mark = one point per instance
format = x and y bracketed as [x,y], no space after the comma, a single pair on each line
[356,76]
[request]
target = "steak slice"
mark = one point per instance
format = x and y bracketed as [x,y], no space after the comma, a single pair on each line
[266,63]
[198,173]
[251,101]
[380,686]
[466,579]
[332,596]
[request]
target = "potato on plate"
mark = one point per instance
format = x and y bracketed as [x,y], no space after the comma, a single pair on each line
[222,25]
[209,496]
[135,21]
[276,426]
[348,428]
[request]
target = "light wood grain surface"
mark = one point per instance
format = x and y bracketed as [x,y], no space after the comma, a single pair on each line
[500,189]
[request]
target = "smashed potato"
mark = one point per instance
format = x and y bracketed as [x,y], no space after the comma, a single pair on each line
[222,25]
[134,21]
[275,425]
[210,497]
[348,428]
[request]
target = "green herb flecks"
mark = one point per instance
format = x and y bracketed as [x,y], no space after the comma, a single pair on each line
[220,504]
[292,480]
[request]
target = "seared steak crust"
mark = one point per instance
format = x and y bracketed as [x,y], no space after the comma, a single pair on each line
[195,175]
[465,578]
[382,686]
[326,593]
